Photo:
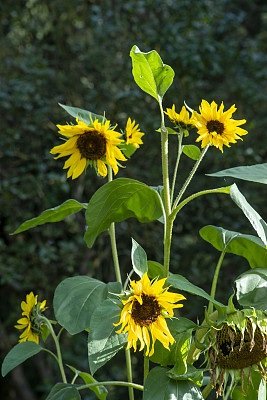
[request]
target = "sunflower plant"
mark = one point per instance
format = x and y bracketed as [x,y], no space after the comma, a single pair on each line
[226,351]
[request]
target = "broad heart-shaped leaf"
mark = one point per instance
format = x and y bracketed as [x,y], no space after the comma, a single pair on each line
[191,151]
[159,386]
[248,246]
[118,200]
[100,391]
[150,74]
[55,214]
[181,283]
[103,341]
[20,353]
[76,299]
[139,259]
[254,218]
[253,173]
[64,391]
[83,115]
[252,288]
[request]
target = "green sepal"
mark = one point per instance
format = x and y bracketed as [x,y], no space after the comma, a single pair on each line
[83,115]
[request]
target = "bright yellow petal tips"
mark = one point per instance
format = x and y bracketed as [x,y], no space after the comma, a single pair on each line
[216,127]
[144,312]
[133,134]
[182,120]
[29,322]
[94,145]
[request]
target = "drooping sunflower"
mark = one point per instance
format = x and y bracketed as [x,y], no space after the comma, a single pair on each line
[133,134]
[94,145]
[29,322]
[144,312]
[182,120]
[238,345]
[216,126]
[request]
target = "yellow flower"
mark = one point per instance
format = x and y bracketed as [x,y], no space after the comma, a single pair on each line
[182,120]
[133,134]
[144,312]
[94,145]
[28,322]
[216,126]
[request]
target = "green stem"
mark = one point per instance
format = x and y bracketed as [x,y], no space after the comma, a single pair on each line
[180,139]
[215,280]
[129,373]
[206,391]
[200,158]
[167,247]
[112,383]
[59,357]
[146,367]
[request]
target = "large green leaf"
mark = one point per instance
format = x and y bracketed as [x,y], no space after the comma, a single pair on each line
[118,200]
[103,341]
[181,283]
[159,386]
[252,288]
[76,299]
[52,215]
[100,391]
[139,259]
[83,115]
[255,219]
[253,173]
[20,353]
[150,74]
[248,246]
[64,391]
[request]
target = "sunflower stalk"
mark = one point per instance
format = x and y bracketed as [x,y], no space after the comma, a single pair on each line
[215,280]
[180,139]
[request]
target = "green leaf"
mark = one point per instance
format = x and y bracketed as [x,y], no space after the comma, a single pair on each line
[191,151]
[159,386]
[83,115]
[55,214]
[150,74]
[100,391]
[64,391]
[255,391]
[103,341]
[192,373]
[127,149]
[76,299]
[181,283]
[252,288]
[254,218]
[118,200]
[139,259]
[20,353]
[155,270]
[248,246]
[253,173]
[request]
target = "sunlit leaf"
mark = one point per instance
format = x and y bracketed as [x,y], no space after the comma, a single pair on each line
[252,288]
[150,74]
[64,391]
[83,115]
[191,151]
[248,246]
[118,200]
[20,353]
[253,173]
[139,259]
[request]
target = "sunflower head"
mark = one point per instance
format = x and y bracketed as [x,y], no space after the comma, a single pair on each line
[133,134]
[236,346]
[182,120]
[94,145]
[144,312]
[31,310]
[217,127]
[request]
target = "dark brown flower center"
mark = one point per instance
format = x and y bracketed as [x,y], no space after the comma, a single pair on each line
[92,145]
[215,126]
[235,352]
[147,313]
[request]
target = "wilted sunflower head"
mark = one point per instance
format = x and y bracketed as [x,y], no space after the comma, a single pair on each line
[236,346]
[94,145]
[144,312]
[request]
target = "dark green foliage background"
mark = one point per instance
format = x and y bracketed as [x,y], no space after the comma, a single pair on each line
[77,53]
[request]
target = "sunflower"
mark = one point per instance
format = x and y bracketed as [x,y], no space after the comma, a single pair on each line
[144,312]
[133,134]
[217,126]
[30,310]
[94,144]
[182,120]
[238,345]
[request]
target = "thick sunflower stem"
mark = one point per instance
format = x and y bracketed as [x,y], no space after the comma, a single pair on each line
[146,367]
[129,373]
[215,280]
[206,391]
